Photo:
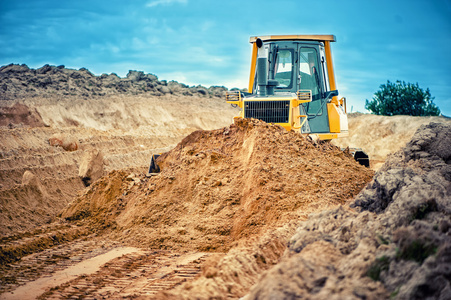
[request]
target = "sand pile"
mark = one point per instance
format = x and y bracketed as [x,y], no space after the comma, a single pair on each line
[19,81]
[397,246]
[219,186]
[56,138]
[379,136]
[19,115]
[25,203]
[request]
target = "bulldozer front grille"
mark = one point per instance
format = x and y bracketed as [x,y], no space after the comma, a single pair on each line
[268,111]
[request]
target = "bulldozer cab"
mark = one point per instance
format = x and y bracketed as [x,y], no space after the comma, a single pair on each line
[299,65]
[292,84]
[294,67]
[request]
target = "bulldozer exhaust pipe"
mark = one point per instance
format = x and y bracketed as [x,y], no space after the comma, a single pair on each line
[262,67]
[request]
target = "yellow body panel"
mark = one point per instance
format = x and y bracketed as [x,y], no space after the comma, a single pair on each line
[253,65]
[327,136]
[334,118]
[330,70]
[295,122]
[235,98]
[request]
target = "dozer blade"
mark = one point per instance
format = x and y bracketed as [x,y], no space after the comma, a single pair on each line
[359,156]
[154,168]
[362,158]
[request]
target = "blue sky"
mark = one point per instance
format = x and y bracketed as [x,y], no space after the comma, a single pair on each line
[207,42]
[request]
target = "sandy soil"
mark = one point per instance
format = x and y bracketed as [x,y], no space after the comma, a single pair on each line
[147,125]
[86,267]
[219,186]
[379,136]
[40,168]
[219,215]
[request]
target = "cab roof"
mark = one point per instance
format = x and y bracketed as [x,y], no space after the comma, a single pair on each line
[304,37]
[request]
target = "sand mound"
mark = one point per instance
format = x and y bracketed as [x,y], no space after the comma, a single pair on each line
[219,186]
[91,166]
[19,115]
[397,246]
[126,130]
[26,203]
[379,136]
[19,81]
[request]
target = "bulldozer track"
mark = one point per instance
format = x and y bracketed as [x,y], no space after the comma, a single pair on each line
[49,261]
[143,273]
[139,273]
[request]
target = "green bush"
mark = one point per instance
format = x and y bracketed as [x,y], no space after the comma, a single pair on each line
[379,265]
[402,98]
[417,250]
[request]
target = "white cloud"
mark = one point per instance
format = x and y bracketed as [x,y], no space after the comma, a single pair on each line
[165,2]
[208,78]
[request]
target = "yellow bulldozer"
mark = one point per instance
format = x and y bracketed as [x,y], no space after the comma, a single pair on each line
[292,84]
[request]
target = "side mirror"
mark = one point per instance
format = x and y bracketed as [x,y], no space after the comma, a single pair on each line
[330,94]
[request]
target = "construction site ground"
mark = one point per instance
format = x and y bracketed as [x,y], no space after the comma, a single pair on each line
[219,217]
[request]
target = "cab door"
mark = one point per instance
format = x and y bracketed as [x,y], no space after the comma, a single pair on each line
[311,77]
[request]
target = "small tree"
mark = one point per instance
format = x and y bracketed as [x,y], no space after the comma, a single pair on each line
[402,98]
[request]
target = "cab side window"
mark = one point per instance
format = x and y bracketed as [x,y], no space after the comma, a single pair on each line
[309,77]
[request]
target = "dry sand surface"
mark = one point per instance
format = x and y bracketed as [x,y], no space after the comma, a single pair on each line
[220,186]
[69,130]
[379,136]
[239,210]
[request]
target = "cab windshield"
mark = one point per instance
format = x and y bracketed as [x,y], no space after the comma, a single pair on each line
[283,68]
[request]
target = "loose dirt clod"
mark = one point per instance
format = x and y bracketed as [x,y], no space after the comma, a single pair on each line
[67,143]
